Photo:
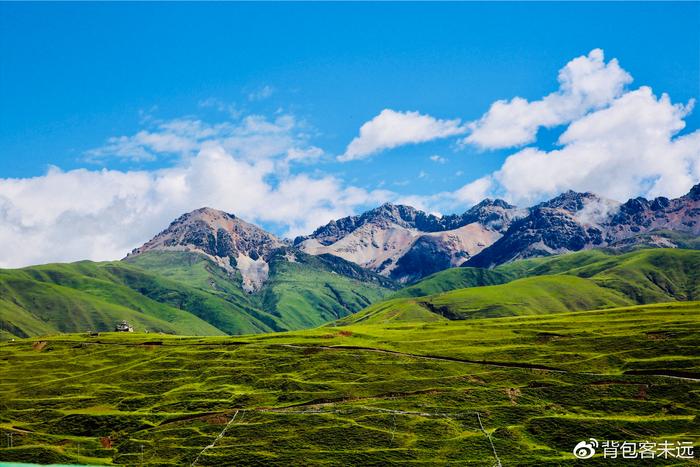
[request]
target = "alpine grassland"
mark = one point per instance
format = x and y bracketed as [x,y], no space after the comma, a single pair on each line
[572,282]
[517,390]
[180,293]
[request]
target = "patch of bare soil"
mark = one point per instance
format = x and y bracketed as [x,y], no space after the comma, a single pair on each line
[513,394]
[39,345]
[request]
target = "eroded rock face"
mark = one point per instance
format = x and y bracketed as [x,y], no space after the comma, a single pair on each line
[406,244]
[231,242]
[576,221]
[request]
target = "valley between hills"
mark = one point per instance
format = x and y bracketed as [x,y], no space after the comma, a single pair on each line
[393,337]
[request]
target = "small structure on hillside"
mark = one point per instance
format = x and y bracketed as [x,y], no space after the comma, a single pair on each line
[124,326]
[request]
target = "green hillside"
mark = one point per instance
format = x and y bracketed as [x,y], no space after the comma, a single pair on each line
[454,278]
[307,292]
[519,390]
[185,293]
[95,296]
[303,293]
[576,281]
[532,295]
[179,293]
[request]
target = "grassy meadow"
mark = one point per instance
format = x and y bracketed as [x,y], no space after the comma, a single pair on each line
[517,390]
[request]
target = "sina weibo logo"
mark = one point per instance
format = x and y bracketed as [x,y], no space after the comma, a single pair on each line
[585,449]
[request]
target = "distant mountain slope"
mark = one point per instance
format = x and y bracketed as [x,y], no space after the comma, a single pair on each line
[577,281]
[300,291]
[226,256]
[406,244]
[179,292]
[230,242]
[576,221]
[210,271]
[307,291]
[95,296]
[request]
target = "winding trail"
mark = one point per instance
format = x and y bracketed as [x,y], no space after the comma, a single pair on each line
[221,435]
[495,454]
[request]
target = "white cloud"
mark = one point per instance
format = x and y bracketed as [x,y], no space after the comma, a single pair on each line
[632,148]
[261,94]
[103,214]
[390,129]
[473,192]
[311,153]
[438,159]
[586,83]
[625,150]
[253,137]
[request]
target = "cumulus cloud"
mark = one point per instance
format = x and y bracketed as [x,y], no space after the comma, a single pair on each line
[309,154]
[586,83]
[438,159]
[627,149]
[103,214]
[473,192]
[390,129]
[631,148]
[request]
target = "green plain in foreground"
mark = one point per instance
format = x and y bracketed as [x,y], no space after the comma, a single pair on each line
[404,393]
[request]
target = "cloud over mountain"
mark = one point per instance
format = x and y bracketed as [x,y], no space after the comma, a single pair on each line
[102,214]
[628,149]
[617,142]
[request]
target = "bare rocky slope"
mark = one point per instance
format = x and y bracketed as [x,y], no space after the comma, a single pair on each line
[406,244]
[577,221]
[230,242]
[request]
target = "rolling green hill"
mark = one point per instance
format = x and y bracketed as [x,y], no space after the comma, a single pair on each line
[185,293]
[576,281]
[532,295]
[454,278]
[305,292]
[519,390]
[180,293]
[95,296]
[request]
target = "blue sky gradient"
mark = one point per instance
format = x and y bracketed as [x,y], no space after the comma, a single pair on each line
[74,75]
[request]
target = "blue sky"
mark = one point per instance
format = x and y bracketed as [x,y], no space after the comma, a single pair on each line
[72,76]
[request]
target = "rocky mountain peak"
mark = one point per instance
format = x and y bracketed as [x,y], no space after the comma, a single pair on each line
[496,214]
[694,193]
[571,201]
[387,212]
[489,203]
[228,240]
[573,221]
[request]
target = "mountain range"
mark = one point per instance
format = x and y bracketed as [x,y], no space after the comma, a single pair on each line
[405,244]
[210,272]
